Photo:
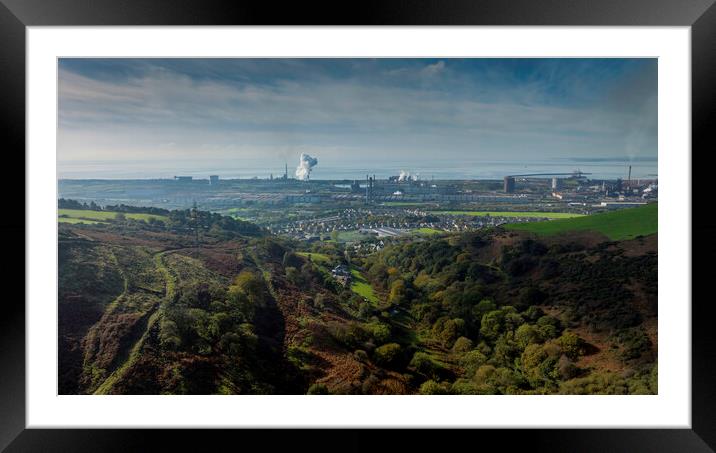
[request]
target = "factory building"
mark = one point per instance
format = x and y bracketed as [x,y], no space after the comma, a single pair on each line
[509,184]
[214,180]
[369,180]
[303,199]
[183,178]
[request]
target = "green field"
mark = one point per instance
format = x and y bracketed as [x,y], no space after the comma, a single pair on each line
[71,215]
[361,286]
[74,220]
[427,231]
[616,225]
[352,236]
[548,215]
[319,258]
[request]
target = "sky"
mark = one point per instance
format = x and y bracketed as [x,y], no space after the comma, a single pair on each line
[159,117]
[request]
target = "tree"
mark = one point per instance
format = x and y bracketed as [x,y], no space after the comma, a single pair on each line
[397,292]
[572,345]
[431,387]
[483,307]
[424,364]
[526,335]
[462,344]
[548,327]
[387,354]
[471,361]
[491,324]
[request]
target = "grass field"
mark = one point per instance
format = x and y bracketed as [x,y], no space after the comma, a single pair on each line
[361,286]
[102,216]
[319,258]
[352,236]
[427,231]
[548,215]
[616,225]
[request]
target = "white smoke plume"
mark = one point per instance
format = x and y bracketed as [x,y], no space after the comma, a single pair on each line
[305,165]
[406,176]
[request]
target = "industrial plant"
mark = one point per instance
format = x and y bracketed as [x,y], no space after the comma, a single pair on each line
[375,208]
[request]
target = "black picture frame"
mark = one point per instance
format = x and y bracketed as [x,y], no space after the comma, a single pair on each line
[16,15]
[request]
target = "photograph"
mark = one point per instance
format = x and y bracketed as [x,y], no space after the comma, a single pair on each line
[357,226]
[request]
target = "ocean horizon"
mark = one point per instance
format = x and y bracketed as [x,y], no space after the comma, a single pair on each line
[332,169]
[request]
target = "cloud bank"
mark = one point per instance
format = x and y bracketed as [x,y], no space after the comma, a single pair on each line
[128,110]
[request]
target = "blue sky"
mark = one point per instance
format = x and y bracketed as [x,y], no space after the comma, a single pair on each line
[187,111]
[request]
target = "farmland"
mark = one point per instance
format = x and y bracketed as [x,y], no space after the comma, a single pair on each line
[427,231]
[87,216]
[616,225]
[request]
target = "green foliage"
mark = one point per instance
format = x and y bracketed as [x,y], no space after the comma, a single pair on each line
[462,345]
[525,335]
[318,389]
[471,361]
[387,354]
[571,344]
[548,327]
[379,332]
[430,387]
[492,324]
[633,343]
[448,330]
[423,363]
[397,292]
[483,307]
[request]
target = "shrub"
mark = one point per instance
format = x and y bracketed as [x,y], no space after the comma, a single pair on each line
[424,364]
[387,354]
[360,355]
[462,344]
[491,324]
[548,327]
[471,361]
[431,387]
[318,389]
[526,335]
[571,344]
[379,331]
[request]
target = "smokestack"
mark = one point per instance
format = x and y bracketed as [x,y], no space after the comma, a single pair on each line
[367,188]
[629,178]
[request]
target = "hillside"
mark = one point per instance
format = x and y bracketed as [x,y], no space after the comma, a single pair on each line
[198,304]
[616,225]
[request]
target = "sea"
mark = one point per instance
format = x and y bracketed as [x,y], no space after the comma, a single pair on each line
[340,169]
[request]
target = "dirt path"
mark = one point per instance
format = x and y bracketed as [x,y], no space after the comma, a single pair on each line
[146,323]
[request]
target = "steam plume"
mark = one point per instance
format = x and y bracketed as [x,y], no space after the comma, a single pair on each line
[406,176]
[305,165]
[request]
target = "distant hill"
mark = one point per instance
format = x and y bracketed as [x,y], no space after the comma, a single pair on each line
[616,225]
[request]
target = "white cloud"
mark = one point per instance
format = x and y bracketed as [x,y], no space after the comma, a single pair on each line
[143,115]
[434,69]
